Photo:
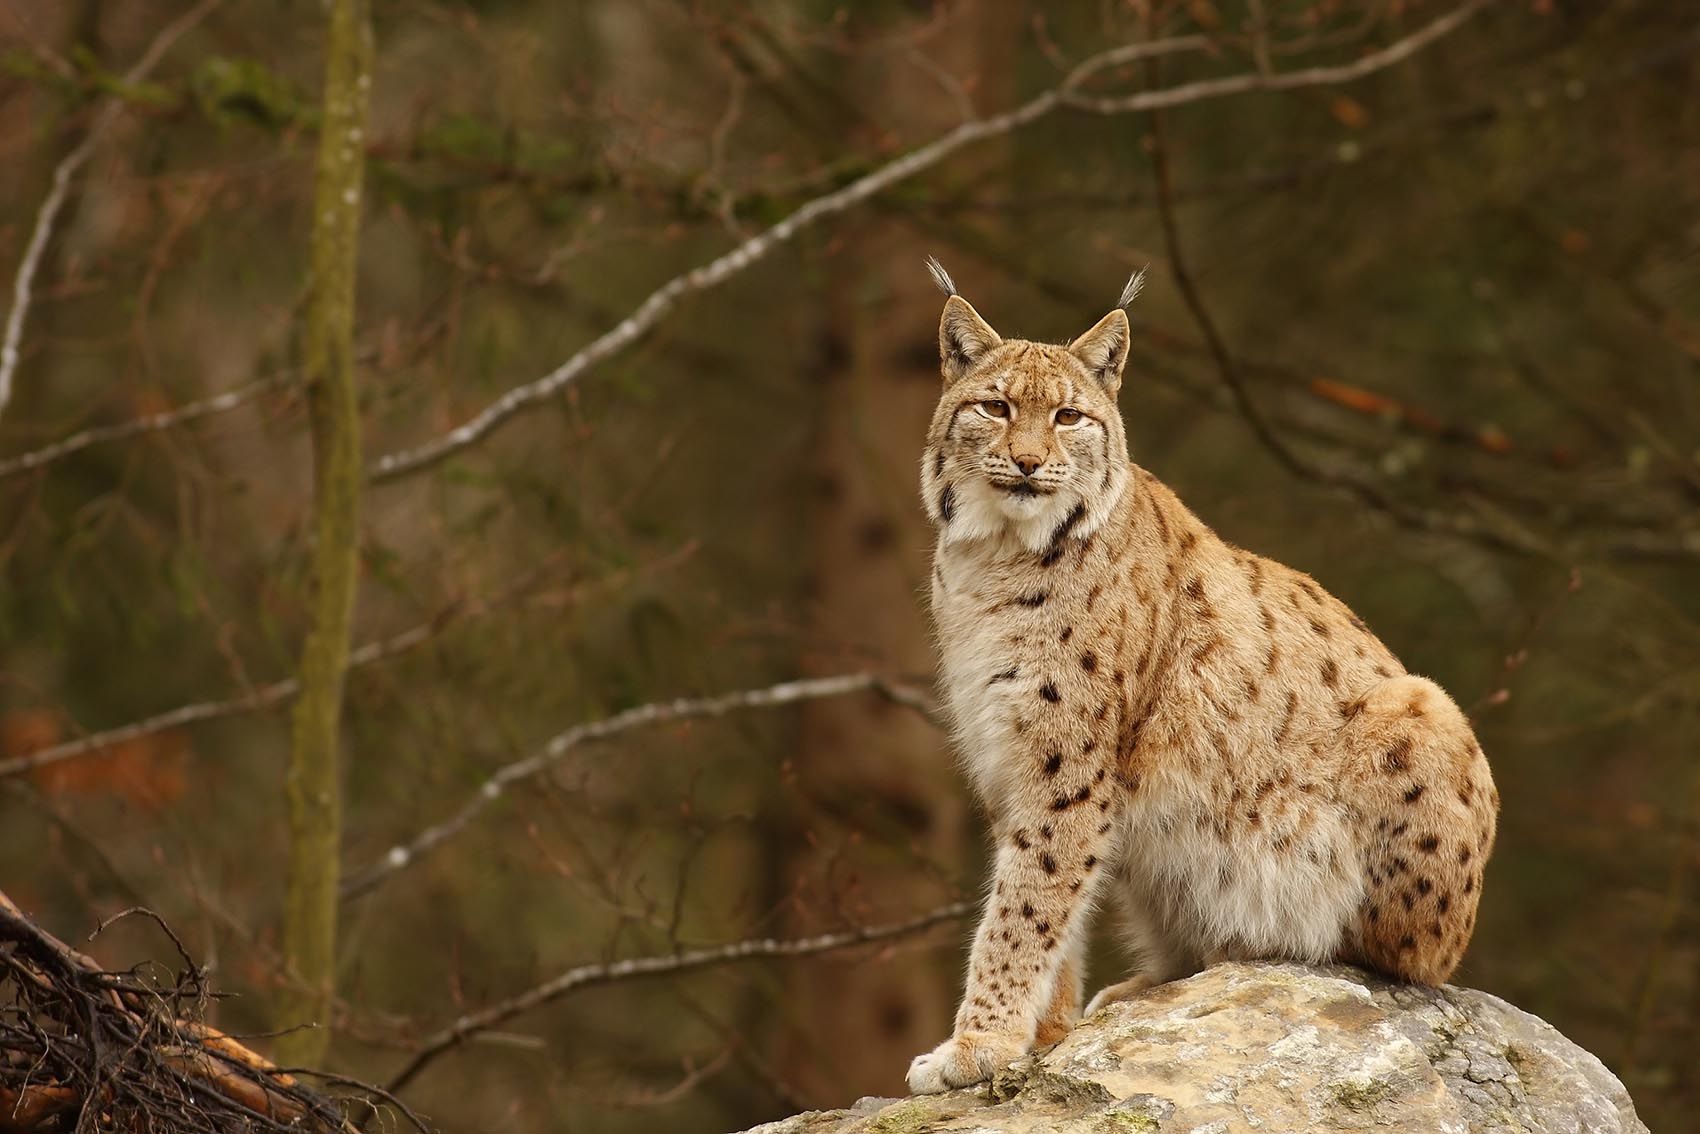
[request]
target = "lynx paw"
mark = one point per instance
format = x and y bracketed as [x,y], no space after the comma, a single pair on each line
[961,1060]
[1123,990]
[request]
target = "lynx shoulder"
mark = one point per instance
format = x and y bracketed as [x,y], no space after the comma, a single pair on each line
[1204,738]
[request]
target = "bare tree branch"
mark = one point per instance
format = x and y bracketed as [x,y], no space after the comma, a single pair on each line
[585,975]
[23,284]
[403,855]
[262,698]
[153,422]
[1396,52]
[1067,95]
[1503,536]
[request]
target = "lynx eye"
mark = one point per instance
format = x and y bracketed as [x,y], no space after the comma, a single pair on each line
[995,408]
[1067,416]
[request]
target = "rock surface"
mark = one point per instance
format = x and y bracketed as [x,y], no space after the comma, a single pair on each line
[1276,1048]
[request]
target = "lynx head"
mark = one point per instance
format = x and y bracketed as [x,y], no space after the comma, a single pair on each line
[1025,432]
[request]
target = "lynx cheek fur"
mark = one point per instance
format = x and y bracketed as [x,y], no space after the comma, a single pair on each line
[1150,714]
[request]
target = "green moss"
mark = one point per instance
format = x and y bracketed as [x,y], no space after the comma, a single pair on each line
[910,1117]
[1128,1122]
[1360,1094]
[232,91]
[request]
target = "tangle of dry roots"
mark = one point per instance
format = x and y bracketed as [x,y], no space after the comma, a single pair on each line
[85,1049]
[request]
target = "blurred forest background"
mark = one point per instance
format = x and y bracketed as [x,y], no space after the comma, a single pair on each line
[1423,320]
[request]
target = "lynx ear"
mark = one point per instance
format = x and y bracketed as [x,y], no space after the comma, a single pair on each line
[964,338]
[1103,349]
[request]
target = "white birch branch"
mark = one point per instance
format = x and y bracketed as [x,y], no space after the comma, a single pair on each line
[403,855]
[1066,94]
[23,284]
[683,961]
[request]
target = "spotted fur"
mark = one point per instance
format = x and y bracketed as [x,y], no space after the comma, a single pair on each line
[1203,736]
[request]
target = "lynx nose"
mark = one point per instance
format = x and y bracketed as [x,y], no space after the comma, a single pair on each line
[1028,463]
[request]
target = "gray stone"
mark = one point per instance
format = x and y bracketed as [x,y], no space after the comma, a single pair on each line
[1273,1048]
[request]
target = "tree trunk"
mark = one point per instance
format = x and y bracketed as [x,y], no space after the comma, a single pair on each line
[314,786]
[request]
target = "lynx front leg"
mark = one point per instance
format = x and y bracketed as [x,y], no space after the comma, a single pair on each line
[1059,1019]
[1046,872]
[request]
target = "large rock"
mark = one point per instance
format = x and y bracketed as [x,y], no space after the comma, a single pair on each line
[1277,1048]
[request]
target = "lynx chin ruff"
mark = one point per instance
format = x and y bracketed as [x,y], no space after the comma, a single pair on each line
[1151,715]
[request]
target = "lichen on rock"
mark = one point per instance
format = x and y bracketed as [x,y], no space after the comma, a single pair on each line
[1278,1047]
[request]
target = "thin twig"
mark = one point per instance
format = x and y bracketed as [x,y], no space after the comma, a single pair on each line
[605,973]
[262,698]
[1503,536]
[23,284]
[120,431]
[403,855]
[1066,95]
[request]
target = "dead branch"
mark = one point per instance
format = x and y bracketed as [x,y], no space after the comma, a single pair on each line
[262,698]
[403,855]
[1502,536]
[1066,95]
[151,423]
[266,696]
[115,1051]
[23,283]
[605,973]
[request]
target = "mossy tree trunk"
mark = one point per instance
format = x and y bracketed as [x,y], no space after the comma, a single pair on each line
[314,785]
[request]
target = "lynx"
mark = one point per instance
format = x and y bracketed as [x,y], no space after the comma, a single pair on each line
[1151,715]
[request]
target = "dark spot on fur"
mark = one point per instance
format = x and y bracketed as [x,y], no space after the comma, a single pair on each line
[1317,628]
[1463,856]
[947,503]
[1048,863]
[1027,910]
[1006,675]
[1424,886]
[1397,756]
[1428,844]
[1021,840]
[1037,598]
[1053,763]
[1068,632]
[1089,662]
[1046,831]
[938,462]
[1444,903]
[1415,793]
[1049,692]
[1330,672]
